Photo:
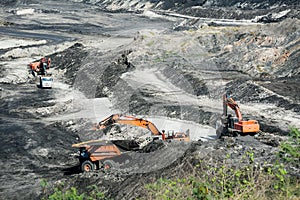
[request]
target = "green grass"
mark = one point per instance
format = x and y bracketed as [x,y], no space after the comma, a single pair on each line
[290,150]
[60,192]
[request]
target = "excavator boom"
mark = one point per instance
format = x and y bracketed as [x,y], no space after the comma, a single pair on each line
[130,120]
[228,101]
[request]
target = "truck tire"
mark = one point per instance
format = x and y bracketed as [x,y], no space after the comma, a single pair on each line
[108,164]
[87,166]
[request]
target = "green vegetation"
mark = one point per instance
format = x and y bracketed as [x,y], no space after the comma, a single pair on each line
[61,193]
[246,180]
[70,194]
[290,150]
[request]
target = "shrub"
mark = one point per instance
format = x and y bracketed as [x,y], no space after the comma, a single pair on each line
[61,193]
[290,150]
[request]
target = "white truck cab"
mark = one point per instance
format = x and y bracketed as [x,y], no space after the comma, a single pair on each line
[46,81]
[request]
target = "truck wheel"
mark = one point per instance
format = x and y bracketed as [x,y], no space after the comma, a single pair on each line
[252,134]
[87,166]
[108,164]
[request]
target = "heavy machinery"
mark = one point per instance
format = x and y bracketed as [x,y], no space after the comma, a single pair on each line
[235,125]
[130,120]
[40,69]
[102,154]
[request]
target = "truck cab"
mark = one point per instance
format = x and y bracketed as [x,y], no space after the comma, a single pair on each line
[46,82]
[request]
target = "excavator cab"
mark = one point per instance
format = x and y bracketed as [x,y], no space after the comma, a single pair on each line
[171,133]
[232,121]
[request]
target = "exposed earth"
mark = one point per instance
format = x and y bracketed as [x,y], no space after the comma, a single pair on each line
[166,61]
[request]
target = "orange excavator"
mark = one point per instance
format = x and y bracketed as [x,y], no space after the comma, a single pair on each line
[41,70]
[40,67]
[235,125]
[130,120]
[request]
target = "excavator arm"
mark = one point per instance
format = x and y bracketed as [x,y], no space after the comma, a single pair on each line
[228,101]
[120,119]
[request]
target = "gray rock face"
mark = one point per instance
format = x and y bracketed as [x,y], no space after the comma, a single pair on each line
[263,11]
